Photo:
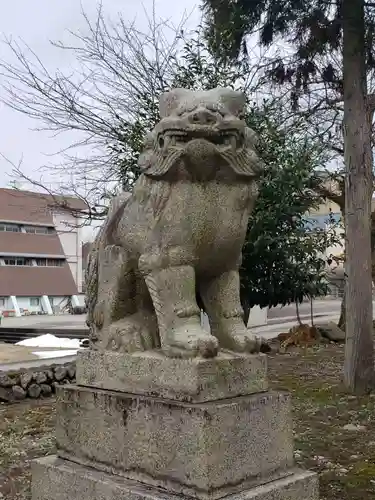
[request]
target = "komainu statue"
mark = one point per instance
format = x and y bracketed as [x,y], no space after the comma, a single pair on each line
[179,235]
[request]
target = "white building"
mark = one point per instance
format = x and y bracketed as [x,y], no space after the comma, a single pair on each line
[40,252]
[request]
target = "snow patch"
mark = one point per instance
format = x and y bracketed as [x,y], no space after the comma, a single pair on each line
[54,354]
[49,340]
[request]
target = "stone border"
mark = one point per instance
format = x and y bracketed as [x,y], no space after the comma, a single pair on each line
[34,383]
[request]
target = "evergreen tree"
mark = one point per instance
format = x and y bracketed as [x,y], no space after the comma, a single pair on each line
[283,258]
[313,29]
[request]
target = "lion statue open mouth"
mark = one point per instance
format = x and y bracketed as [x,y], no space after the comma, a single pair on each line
[179,234]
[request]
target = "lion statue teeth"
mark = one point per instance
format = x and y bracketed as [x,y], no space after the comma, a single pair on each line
[179,235]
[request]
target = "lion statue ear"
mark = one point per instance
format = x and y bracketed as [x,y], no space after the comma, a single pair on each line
[233,100]
[169,101]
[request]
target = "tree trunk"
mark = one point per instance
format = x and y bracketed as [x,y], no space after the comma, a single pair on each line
[342,321]
[359,356]
[373,247]
[297,314]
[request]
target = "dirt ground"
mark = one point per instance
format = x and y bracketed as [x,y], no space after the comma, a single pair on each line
[334,432]
[10,353]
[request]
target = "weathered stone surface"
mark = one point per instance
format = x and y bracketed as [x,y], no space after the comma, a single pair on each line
[5,380]
[181,230]
[71,371]
[152,374]
[14,375]
[13,393]
[18,392]
[46,389]
[58,479]
[331,331]
[34,391]
[40,377]
[25,379]
[185,448]
[6,394]
[60,373]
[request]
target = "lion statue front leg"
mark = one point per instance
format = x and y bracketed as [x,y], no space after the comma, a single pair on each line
[221,299]
[172,288]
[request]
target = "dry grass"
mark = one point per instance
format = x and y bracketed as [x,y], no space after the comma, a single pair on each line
[26,432]
[344,459]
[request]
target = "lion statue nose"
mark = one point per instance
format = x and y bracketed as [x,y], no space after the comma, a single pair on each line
[202,116]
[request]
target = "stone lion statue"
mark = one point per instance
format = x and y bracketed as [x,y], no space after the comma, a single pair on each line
[179,235]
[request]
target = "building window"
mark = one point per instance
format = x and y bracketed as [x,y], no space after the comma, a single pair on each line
[55,262]
[17,261]
[39,230]
[34,301]
[50,262]
[10,228]
[22,261]
[26,261]
[2,301]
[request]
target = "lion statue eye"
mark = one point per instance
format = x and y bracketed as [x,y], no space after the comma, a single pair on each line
[161,142]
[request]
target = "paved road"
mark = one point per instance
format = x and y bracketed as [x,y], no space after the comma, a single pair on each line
[59,321]
[320,307]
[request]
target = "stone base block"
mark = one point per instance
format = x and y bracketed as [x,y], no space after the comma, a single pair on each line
[56,479]
[192,380]
[194,449]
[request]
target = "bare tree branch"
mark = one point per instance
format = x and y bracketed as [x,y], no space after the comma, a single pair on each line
[118,68]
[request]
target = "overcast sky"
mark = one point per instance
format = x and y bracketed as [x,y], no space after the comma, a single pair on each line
[37,22]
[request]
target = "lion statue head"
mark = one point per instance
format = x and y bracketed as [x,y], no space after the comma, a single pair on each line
[201,134]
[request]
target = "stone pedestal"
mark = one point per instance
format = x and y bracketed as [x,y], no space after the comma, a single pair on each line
[141,426]
[188,380]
